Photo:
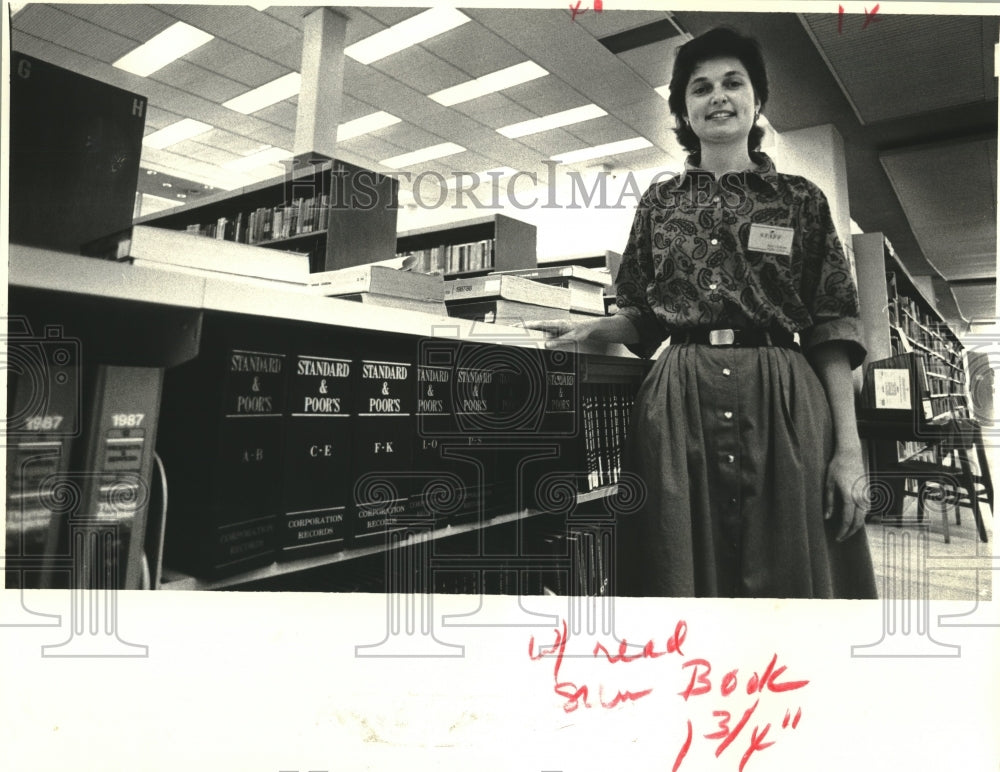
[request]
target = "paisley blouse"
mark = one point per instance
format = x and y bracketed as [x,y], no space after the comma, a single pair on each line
[688,264]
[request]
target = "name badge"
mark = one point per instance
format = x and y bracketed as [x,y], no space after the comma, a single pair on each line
[771,238]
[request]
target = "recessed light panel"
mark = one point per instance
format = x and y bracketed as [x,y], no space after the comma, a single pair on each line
[175,132]
[488,84]
[174,42]
[599,151]
[425,154]
[264,96]
[553,121]
[365,125]
[407,33]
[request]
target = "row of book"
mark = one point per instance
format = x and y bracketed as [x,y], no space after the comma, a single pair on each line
[283,440]
[607,413]
[454,258]
[562,560]
[263,224]
[80,455]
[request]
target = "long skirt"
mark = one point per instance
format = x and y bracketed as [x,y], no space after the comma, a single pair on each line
[731,446]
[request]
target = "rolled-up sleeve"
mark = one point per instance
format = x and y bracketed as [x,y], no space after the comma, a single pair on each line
[828,285]
[634,276]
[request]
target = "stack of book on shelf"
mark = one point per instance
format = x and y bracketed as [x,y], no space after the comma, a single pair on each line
[269,223]
[454,258]
[505,299]
[182,252]
[283,439]
[607,411]
[586,285]
[381,285]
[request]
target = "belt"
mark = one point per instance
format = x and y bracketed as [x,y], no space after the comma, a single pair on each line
[745,338]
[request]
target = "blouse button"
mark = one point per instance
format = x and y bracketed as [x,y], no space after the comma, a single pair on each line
[714,241]
[712,286]
[726,371]
[730,458]
[728,414]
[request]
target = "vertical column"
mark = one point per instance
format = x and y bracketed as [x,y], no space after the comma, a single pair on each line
[324,33]
[817,153]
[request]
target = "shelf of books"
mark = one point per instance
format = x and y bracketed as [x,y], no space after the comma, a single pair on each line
[471,247]
[899,320]
[915,383]
[298,436]
[339,214]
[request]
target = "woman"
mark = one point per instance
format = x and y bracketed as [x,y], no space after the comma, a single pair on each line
[747,444]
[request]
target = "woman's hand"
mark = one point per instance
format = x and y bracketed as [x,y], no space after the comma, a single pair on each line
[601,329]
[561,330]
[844,495]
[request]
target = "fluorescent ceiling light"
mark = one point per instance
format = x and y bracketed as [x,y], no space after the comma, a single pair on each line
[174,42]
[426,154]
[554,121]
[175,132]
[407,33]
[487,84]
[365,125]
[263,96]
[599,151]
[263,157]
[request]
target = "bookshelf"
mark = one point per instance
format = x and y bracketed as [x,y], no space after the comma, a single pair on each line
[126,306]
[899,319]
[472,247]
[914,400]
[339,214]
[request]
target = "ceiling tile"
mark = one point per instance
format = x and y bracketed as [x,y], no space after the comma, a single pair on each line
[601,130]
[544,96]
[92,40]
[198,151]
[230,143]
[351,108]
[420,70]
[551,142]
[409,137]
[139,23]
[612,21]
[494,110]
[283,114]
[236,63]
[372,146]
[950,51]
[157,118]
[390,16]
[474,50]
[196,80]
[247,28]
[654,62]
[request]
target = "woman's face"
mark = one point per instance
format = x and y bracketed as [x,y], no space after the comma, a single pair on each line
[720,101]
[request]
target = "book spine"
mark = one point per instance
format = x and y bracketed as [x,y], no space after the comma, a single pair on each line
[383,453]
[223,456]
[317,452]
[107,533]
[43,422]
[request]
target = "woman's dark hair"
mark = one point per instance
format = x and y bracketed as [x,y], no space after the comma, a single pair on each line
[716,43]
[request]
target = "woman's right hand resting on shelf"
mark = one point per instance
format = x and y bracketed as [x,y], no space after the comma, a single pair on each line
[603,329]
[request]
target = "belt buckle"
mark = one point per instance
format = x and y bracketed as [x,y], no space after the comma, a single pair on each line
[721,337]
